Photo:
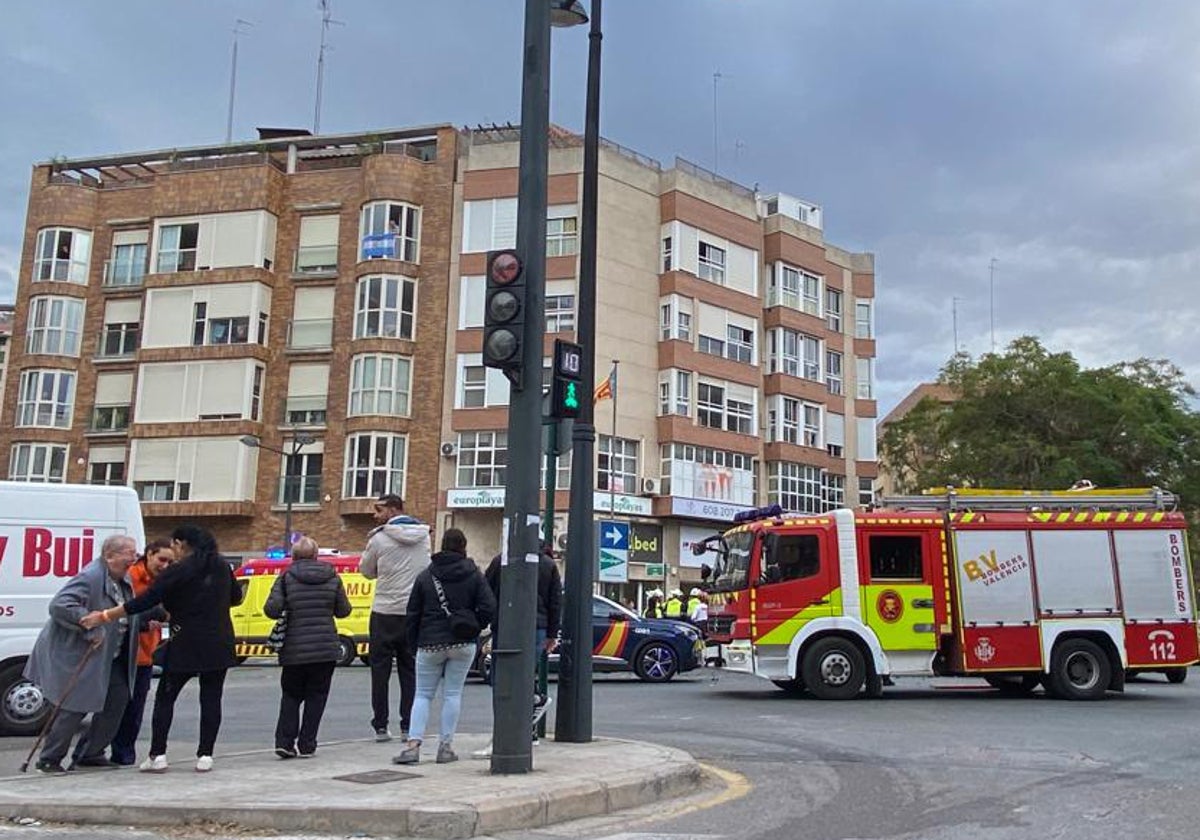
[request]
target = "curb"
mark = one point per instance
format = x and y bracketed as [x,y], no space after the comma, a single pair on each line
[450,821]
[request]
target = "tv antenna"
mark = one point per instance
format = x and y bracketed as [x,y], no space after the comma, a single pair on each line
[326,21]
[992,299]
[237,30]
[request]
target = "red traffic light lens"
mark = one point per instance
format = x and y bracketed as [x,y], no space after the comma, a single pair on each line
[505,268]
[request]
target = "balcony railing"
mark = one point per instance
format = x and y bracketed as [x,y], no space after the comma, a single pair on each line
[310,334]
[302,489]
[316,259]
[110,418]
[118,341]
[123,273]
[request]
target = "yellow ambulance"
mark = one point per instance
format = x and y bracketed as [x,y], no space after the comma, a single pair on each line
[251,627]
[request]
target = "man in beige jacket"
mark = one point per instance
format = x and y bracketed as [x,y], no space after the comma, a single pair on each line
[397,551]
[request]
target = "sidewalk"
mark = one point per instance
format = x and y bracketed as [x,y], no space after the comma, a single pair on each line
[258,790]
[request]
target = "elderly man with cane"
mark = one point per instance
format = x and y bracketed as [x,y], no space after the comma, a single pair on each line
[82,671]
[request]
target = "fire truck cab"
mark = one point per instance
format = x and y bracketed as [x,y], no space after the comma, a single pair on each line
[1069,590]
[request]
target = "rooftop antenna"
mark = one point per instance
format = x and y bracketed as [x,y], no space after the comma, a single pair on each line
[717,76]
[237,30]
[326,21]
[992,299]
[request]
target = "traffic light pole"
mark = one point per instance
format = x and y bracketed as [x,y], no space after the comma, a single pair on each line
[513,655]
[573,720]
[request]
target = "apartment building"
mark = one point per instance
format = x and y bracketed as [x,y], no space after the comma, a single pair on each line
[6,329]
[745,345]
[325,295]
[291,290]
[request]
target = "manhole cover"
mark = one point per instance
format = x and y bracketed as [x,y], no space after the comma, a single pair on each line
[377,777]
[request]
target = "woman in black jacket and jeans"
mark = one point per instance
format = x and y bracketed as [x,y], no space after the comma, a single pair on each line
[452,583]
[196,591]
[312,594]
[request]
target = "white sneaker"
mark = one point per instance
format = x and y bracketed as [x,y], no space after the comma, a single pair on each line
[204,763]
[154,764]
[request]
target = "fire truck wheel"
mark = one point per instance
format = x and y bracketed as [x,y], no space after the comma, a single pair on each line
[23,710]
[1080,670]
[346,651]
[833,669]
[1176,675]
[1014,686]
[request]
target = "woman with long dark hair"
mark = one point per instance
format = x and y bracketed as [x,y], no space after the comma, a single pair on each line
[197,592]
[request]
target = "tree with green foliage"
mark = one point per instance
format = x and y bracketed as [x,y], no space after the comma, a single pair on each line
[1037,420]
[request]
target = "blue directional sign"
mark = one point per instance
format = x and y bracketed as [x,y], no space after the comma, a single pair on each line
[613,545]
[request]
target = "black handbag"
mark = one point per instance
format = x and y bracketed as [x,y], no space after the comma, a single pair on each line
[279,630]
[464,624]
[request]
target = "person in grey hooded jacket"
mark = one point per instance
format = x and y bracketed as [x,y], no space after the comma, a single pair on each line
[312,594]
[397,551]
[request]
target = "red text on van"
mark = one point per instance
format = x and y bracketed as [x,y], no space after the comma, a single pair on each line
[61,556]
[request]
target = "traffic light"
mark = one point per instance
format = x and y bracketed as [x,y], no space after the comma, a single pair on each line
[566,392]
[504,314]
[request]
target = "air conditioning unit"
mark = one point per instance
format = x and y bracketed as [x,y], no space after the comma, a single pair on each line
[449,449]
[650,487]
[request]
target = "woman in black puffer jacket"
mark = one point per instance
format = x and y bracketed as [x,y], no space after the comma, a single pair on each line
[451,585]
[312,594]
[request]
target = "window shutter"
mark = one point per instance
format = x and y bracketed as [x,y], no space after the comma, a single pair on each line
[478,226]
[318,231]
[231,300]
[106,454]
[130,237]
[504,223]
[224,387]
[114,389]
[472,293]
[313,304]
[154,460]
[835,429]
[711,320]
[308,380]
[866,439]
[124,311]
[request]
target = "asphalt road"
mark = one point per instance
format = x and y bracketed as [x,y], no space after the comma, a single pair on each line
[930,760]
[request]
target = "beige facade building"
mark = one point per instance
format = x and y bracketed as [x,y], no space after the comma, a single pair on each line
[171,303]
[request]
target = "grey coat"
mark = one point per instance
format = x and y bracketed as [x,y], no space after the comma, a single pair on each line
[63,643]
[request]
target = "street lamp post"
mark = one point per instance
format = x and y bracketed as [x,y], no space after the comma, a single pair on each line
[298,443]
[573,721]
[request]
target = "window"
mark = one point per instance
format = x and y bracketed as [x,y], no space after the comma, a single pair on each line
[301,478]
[712,263]
[54,325]
[795,487]
[256,394]
[307,395]
[863,327]
[895,557]
[560,313]
[617,465]
[712,346]
[796,289]
[835,490]
[177,246]
[795,354]
[833,371]
[865,388]
[474,386]
[702,472]
[740,346]
[45,398]
[62,254]
[111,473]
[379,384]
[230,330]
[385,308]
[866,492]
[794,421]
[163,491]
[375,464]
[110,418]
[317,252]
[562,236]
[562,471]
[118,340]
[389,230]
[127,265]
[482,457]
[835,433]
[791,557]
[40,462]
[866,439]
[667,265]
[675,318]
[833,309]
[710,405]
[675,392]
[739,416]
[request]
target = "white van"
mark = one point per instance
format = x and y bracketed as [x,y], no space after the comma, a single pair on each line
[48,532]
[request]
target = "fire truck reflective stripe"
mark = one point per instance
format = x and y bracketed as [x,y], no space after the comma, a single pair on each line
[1122,517]
[1103,516]
[785,631]
[848,581]
[614,640]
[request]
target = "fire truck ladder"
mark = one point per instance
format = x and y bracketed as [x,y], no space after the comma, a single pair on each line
[956,499]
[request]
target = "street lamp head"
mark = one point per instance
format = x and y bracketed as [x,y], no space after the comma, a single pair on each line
[251,441]
[567,13]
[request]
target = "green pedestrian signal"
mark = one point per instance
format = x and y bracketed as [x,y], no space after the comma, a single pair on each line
[568,366]
[571,400]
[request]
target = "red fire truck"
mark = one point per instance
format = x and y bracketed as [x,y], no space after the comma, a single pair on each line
[1071,590]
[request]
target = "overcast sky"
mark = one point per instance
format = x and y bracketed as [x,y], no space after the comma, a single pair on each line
[1060,138]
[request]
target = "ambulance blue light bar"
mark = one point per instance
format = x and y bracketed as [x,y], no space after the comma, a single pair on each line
[755,514]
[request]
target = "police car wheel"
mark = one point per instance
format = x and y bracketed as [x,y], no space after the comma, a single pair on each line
[1176,675]
[23,709]
[834,669]
[347,651]
[656,662]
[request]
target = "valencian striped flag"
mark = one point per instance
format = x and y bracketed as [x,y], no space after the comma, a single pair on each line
[607,390]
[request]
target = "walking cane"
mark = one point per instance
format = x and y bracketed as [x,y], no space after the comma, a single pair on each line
[58,706]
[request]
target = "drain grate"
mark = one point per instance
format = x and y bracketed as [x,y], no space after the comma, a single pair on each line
[377,777]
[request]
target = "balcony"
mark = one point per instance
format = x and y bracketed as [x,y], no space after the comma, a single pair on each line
[109,419]
[310,334]
[301,489]
[120,274]
[118,342]
[316,260]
